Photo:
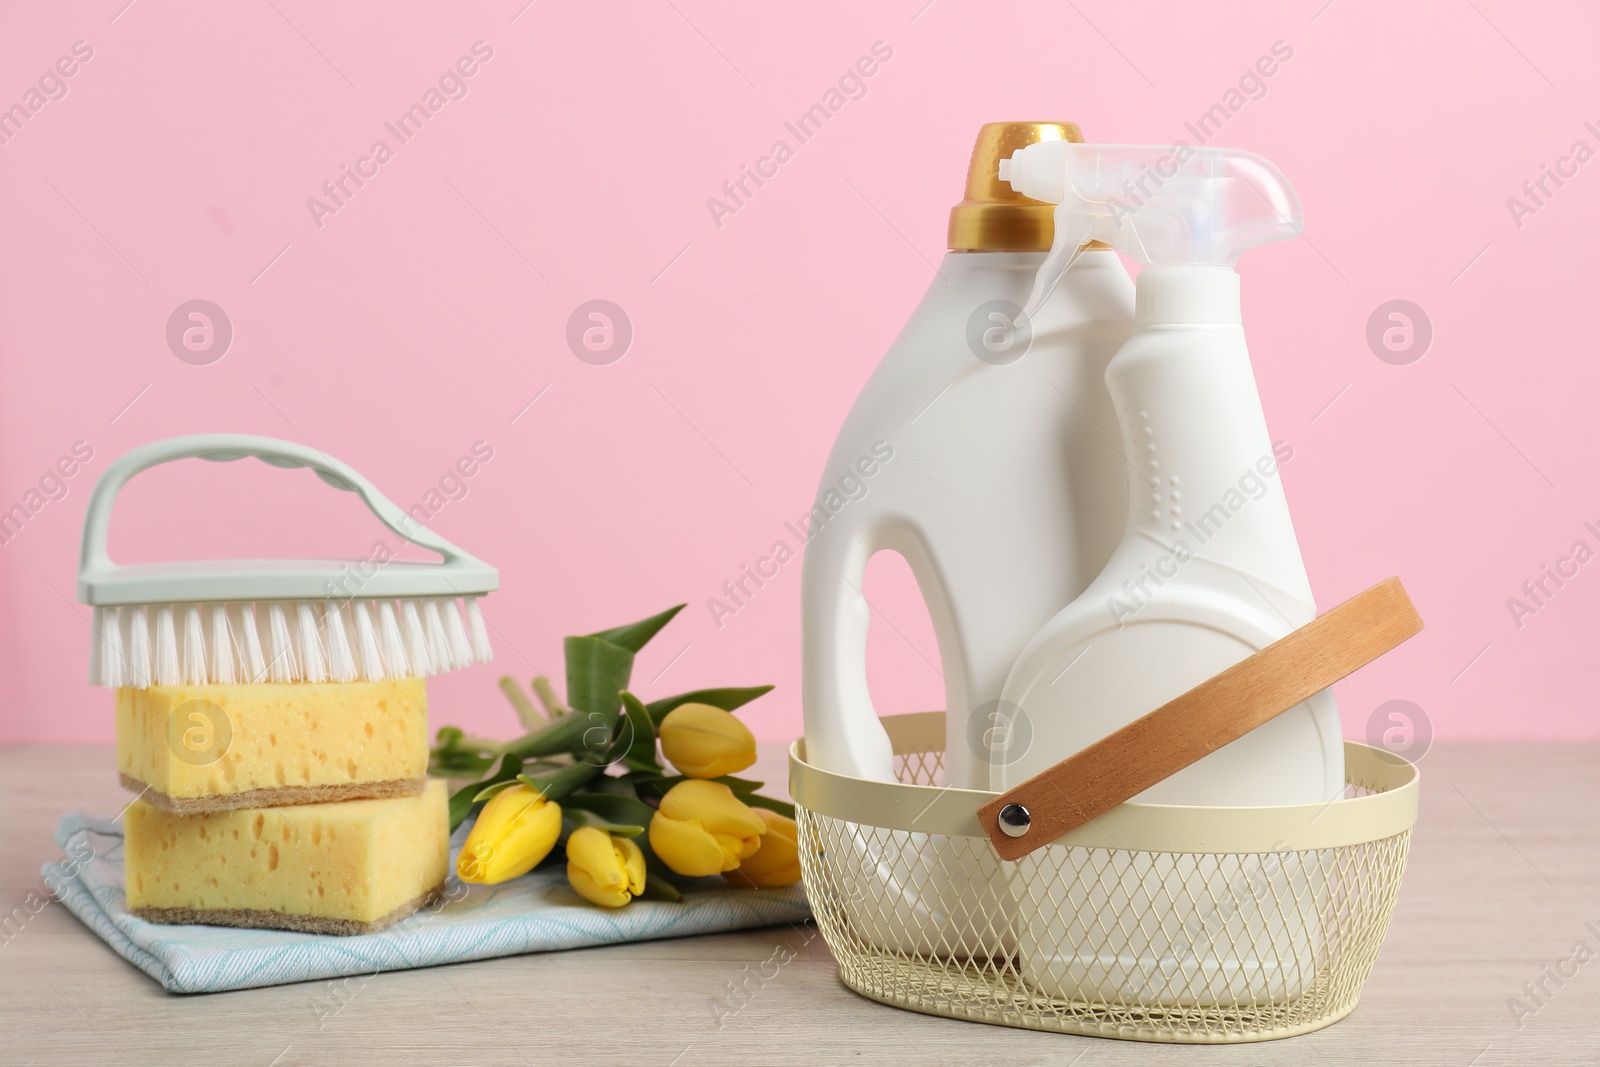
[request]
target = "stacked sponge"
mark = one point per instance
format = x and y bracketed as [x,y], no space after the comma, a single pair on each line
[299,805]
[299,799]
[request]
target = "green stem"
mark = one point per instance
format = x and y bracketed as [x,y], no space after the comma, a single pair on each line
[484,745]
[530,716]
[575,732]
[553,708]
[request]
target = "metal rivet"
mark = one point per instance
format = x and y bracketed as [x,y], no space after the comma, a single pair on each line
[1014,820]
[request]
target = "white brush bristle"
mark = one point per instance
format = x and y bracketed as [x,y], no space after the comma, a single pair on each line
[255,661]
[110,663]
[193,648]
[313,664]
[393,644]
[456,633]
[416,638]
[298,641]
[97,646]
[281,663]
[168,668]
[103,619]
[481,651]
[336,634]
[438,643]
[222,655]
[367,655]
[139,673]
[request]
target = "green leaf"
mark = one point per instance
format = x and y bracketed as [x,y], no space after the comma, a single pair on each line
[654,787]
[659,878]
[466,798]
[576,818]
[624,810]
[545,766]
[658,888]
[726,699]
[490,792]
[461,802]
[634,636]
[618,787]
[596,742]
[781,807]
[557,785]
[597,673]
[635,743]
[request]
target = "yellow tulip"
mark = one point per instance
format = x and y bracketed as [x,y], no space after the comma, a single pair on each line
[605,870]
[777,861]
[703,829]
[515,830]
[706,742]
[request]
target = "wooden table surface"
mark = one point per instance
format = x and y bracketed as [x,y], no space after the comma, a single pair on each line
[1503,880]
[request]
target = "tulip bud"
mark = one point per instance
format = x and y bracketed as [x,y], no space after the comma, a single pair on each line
[703,829]
[604,870]
[706,742]
[777,862]
[516,829]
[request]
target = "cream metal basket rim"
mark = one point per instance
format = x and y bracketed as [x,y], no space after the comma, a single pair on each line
[1388,805]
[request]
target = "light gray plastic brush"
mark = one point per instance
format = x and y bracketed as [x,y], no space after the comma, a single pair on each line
[228,621]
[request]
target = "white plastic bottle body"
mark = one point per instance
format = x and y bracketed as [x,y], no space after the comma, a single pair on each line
[1002,489]
[998,481]
[1208,571]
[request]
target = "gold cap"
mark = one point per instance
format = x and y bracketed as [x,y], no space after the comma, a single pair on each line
[993,217]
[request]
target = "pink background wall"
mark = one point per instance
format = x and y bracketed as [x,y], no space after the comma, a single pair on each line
[428,311]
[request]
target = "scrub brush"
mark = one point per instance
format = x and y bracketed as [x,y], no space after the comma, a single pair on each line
[229,621]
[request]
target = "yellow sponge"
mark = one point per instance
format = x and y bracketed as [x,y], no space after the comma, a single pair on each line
[346,868]
[196,748]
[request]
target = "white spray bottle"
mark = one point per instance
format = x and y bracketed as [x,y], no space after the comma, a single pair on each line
[1208,569]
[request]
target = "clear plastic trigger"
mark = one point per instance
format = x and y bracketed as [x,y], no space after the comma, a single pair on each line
[1071,237]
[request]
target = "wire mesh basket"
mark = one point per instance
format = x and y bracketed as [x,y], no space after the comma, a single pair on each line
[1152,923]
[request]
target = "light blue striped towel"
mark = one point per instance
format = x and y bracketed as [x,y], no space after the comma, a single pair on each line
[535,913]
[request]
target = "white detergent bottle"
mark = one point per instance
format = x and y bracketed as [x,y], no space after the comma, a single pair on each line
[991,467]
[1208,571]
[982,451]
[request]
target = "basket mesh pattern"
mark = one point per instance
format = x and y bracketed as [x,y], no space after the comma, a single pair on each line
[1182,947]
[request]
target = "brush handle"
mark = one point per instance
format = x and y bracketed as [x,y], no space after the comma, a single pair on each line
[1190,727]
[95,563]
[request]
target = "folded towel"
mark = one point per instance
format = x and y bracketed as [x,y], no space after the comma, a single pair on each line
[538,912]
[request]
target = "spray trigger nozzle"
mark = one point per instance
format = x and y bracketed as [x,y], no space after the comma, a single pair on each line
[1164,206]
[1071,237]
